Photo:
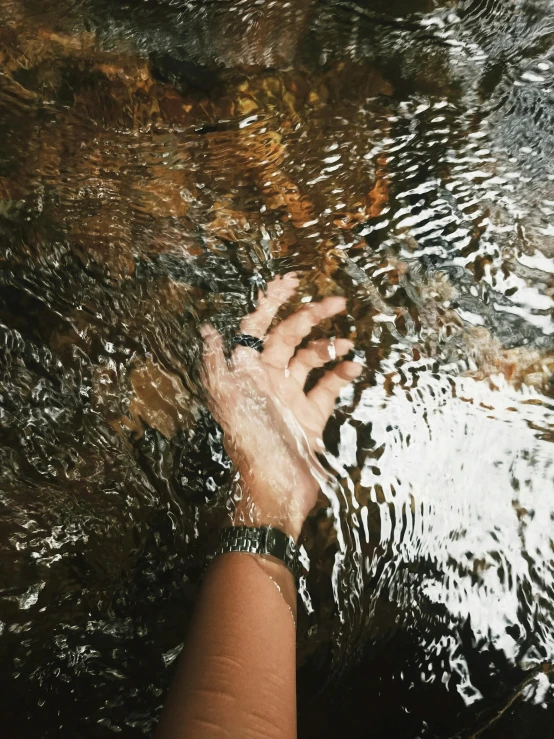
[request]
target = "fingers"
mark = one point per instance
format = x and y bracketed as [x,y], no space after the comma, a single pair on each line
[317,354]
[279,291]
[283,340]
[325,393]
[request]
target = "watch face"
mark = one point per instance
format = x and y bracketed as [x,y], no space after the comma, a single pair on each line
[276,543]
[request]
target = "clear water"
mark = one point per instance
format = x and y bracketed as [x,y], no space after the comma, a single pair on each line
[158,159]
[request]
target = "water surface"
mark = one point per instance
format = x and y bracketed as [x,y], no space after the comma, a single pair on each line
[159,161]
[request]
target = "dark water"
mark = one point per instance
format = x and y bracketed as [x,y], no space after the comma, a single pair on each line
[158,160]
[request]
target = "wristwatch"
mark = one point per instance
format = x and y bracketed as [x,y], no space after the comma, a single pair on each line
[266,541]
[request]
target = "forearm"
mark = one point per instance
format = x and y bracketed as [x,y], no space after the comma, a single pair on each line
[237,673]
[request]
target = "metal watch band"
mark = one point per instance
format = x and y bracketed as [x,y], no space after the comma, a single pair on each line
[266,541]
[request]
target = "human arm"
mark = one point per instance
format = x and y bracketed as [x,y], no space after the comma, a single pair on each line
[237,673]
[236,677]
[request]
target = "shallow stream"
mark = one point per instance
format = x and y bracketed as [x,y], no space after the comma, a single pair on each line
[158,161]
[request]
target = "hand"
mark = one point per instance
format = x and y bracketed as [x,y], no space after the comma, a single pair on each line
[272,428]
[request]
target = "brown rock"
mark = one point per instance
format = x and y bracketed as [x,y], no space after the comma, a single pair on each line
[159,400]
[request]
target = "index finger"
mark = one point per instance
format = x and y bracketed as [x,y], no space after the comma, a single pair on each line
[279,291]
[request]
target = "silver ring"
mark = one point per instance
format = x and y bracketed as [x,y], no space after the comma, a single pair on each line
[250,342]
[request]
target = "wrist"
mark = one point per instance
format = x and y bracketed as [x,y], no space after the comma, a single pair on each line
[251,515]
[256,507]
[266,542]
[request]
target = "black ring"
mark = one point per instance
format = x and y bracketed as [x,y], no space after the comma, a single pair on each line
[251,342]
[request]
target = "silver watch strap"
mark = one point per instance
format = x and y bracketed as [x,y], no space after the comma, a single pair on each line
[266,541]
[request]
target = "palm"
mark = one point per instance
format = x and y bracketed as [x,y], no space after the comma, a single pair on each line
[270,423]
[310,414]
